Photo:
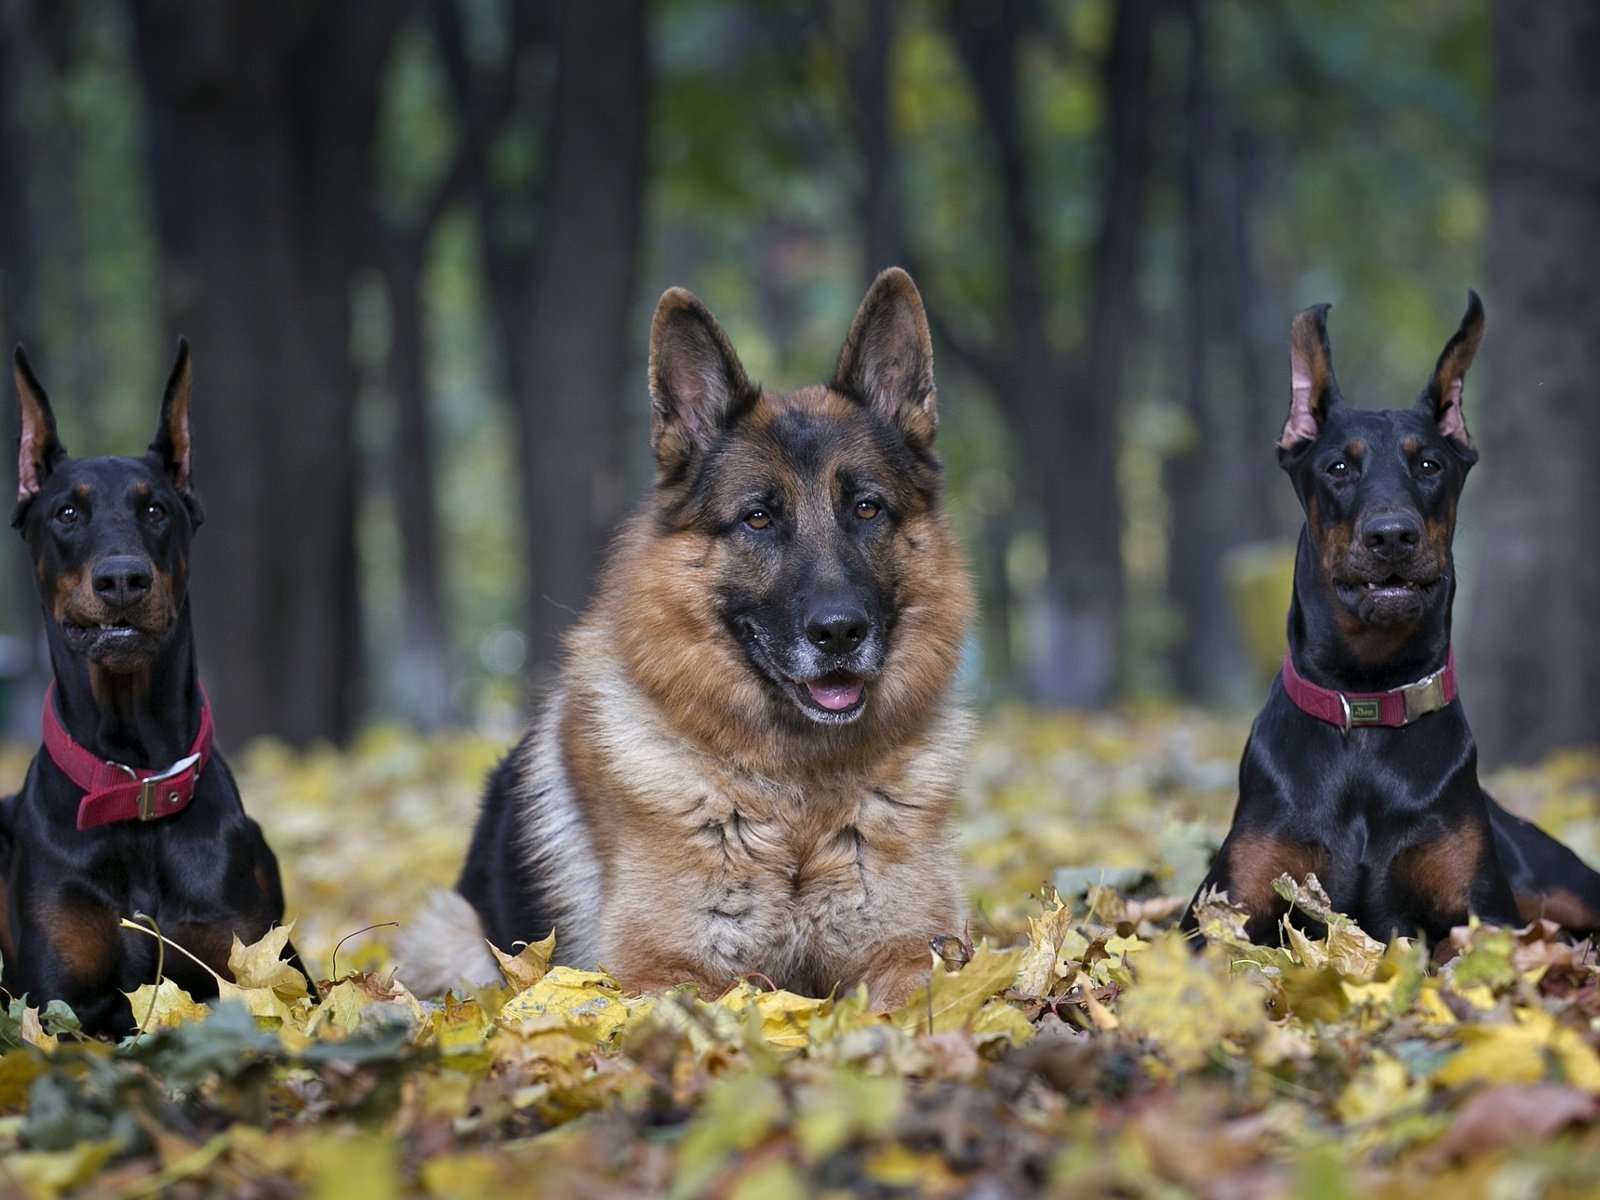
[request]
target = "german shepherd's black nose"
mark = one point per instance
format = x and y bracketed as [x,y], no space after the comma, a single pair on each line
[1391,535]
[836,628]
[121,580]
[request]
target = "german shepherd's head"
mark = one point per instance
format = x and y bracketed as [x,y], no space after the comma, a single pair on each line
[792,568]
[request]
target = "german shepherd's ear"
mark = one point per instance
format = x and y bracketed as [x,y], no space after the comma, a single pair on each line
[887,359]
[1440,401]
[697,385]
[1314,392]
[38,447]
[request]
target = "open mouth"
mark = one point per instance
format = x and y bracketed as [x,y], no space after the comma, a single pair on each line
[836,698]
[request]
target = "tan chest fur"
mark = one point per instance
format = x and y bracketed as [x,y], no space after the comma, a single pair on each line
[711,868]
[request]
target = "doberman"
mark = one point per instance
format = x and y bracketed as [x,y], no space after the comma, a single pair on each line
[1361,767]
[127,809]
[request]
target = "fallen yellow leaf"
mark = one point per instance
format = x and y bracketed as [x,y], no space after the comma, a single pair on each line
[261,964]
[526,967]
[163,1004]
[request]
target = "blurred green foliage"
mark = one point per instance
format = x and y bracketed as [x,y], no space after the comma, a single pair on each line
[1348,137]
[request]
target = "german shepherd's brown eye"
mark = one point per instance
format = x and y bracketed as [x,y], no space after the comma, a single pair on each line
[66,514]
[757,518]
[867,509]
[1428,466]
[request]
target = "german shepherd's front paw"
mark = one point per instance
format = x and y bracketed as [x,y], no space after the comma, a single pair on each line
[890,988]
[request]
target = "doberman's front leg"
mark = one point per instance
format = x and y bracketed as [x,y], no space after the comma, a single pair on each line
[1247,865]
[68,949]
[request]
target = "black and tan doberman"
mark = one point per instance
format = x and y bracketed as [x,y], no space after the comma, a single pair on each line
[127,809]
[1361,767]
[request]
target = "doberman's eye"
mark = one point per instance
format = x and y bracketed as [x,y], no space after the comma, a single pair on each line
[66,514]
[1338,468]
[757,518]
[1428,466]
[867,509]
[155,512]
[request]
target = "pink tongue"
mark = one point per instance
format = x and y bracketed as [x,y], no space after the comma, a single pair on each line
[835,692]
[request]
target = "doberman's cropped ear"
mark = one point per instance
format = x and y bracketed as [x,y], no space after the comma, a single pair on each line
[1314,392]
[1441,399]
[887,358]
[171,443]
[38,447]
[697,386]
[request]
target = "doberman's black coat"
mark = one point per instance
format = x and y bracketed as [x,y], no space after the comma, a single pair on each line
[109,539]
[1392,820]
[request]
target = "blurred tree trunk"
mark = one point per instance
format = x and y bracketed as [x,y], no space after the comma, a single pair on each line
[18,248]
[263,116]
[1066,411]
[1531,657]
[870,87]
[1260,359]
[19,324]
[582,357]
[422,673]
[563,298]
[1203,471]
[1085,513]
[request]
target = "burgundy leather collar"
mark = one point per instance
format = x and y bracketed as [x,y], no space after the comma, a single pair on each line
[113,792]
[1394,708]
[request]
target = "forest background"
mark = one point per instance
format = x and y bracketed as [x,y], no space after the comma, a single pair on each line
[415,247]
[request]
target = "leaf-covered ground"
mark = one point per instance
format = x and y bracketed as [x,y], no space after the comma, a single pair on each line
[1070,1045]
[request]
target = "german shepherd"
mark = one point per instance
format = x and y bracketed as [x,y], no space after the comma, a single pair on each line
[748,762]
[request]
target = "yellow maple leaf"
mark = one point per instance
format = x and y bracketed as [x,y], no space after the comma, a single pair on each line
[526,967]
[459,1026]
[1038,971]
[591,999]
[163,1004]
[33,1031]
[952,1001]
[342,1008]
[261,1001]
[785,1016]
[261,964]
[1000,1019]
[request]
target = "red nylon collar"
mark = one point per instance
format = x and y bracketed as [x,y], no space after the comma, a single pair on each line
[113,792]
[1394,708]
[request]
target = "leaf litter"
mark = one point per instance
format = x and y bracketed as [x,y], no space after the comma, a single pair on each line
[1070,1042]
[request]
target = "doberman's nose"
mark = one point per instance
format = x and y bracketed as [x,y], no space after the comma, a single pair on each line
[837,628]
[1391,535]
[121,580]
